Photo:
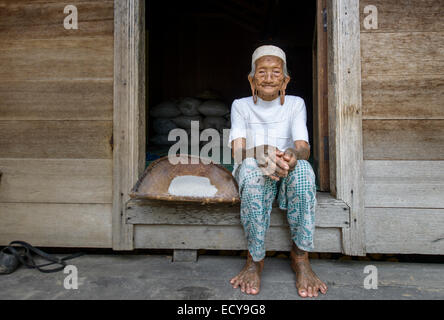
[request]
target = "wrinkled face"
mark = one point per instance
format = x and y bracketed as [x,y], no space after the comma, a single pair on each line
[269,77]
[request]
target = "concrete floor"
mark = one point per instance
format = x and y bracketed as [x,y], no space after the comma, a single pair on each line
[156,277]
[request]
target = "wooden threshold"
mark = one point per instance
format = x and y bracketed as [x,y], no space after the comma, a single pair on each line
[165,225]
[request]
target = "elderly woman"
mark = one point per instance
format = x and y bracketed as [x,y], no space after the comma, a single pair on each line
[269,142]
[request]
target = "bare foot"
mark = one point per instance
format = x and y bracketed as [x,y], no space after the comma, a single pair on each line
[249,279]
[307,282]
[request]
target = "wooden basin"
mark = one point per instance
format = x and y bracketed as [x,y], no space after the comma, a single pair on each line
[156,179]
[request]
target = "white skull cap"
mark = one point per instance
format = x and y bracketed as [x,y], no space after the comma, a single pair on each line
[268,51]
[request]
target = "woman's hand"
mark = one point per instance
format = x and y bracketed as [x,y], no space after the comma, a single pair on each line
[290,157]
[271,161]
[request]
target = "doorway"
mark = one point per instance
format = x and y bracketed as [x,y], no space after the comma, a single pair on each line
[202,49]
[344,78]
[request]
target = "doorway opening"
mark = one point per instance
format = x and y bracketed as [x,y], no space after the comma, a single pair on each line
[202,50]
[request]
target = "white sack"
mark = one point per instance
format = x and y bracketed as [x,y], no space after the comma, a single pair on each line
[162,139]
[217,123]
[184,122]
[167,109]
[188,106]
[163,126]
[213,108]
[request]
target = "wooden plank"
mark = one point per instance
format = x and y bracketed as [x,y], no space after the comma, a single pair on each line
[56,139]
[56,225]
[56,181]
[345,115]
[403,139]
[322,198]
[181,255]
[22,20]
[403,97]
[56,100]
[225,238]
[332,68]
[408,53]
[415,184]
[406,16]
[409,231]
[320,99]
[329,213]
[56,59]
[129,111]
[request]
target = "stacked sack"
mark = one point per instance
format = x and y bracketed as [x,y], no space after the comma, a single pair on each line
[163,123]
[169,115]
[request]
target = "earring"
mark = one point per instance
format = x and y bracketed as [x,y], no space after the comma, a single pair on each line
[255,96]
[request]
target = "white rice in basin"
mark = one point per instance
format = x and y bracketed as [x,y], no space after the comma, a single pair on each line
[192,186]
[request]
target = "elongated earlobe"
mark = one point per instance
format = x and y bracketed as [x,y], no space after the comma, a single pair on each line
[282,95]
[283,88]
[253,89]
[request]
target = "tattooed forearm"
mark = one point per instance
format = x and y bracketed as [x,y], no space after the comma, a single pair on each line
[258,153]
[241,153]
[300,153]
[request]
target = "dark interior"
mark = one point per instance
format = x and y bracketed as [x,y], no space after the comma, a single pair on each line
[197,45]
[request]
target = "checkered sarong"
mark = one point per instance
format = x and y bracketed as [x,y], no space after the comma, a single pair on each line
[297,195]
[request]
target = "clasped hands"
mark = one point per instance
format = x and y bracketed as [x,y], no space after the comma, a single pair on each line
[275,163]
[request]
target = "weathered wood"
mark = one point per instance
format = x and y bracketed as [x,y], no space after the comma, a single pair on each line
[401,230]
[44,20]
[405,16]
[402,53]
[129,111]
[56,181]
[192,226]
[416,184]
[332,42]
[345,115]
[329,213]
[403,97]
[320,99]
[322,198]
[181,255]
[56,59]
[48,73]
[403,139]
[56,139]
[56,225]
[56,100]
[225,238]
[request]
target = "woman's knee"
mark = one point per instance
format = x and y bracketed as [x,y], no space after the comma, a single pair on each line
[250,173]
[303,172]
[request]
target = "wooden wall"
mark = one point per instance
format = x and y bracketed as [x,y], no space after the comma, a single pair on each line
[56,111]
[403,126]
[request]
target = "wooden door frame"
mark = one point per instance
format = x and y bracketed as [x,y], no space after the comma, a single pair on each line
[320,98]
[345,114]
[129,112]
